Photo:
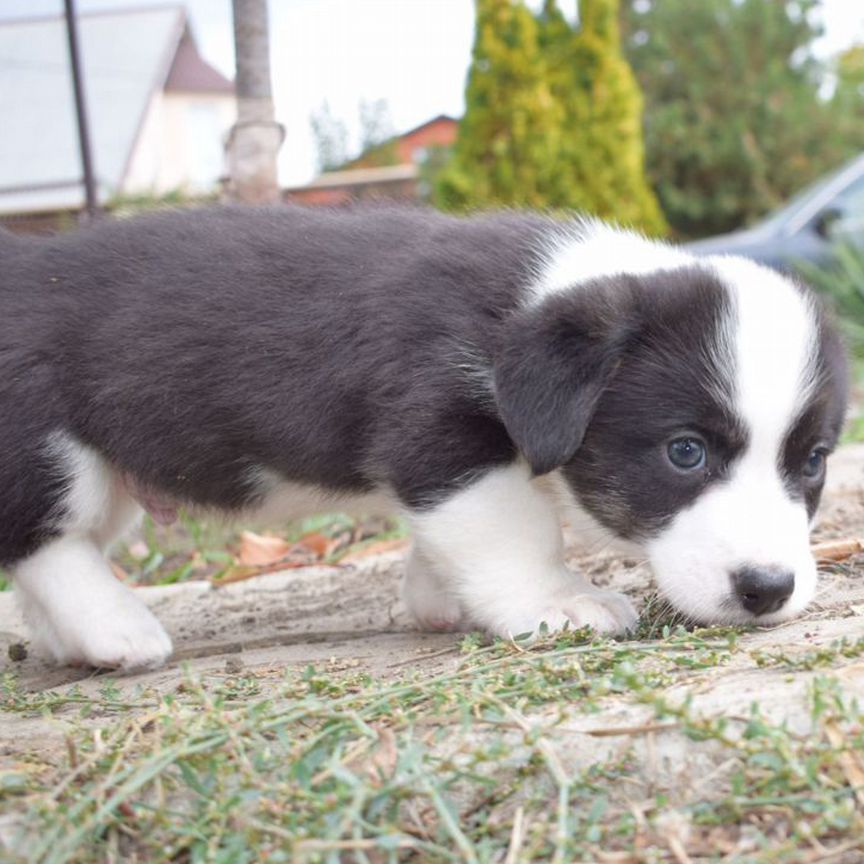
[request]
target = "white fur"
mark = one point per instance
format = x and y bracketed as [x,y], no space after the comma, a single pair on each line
[78,610]
[591,250]
[429,594]
[499,542]
[81,614]
[750,520]
[96,503]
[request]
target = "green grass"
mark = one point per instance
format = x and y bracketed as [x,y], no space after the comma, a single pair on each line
[478,762]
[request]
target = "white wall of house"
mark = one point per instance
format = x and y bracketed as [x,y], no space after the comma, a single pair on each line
[181,145]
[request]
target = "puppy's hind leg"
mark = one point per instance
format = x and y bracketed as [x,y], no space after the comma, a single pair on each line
[77,609]
[81,614]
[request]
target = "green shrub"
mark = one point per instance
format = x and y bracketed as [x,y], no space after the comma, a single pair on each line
[736,118]
[842,280]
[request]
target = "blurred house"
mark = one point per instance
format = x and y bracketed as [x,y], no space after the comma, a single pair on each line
[366,178]
[158,113]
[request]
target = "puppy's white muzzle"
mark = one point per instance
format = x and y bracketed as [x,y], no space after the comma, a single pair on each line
[739,554]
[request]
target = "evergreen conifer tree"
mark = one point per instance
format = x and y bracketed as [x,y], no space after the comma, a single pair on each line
[552,119]
[602,153]
[507,142]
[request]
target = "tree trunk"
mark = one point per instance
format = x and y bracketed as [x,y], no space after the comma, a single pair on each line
[255,138]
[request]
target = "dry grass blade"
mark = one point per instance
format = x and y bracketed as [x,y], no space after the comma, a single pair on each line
[644,729]
[517,836]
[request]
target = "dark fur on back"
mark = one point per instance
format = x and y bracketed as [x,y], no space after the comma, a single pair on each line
[244,338]
[350,350]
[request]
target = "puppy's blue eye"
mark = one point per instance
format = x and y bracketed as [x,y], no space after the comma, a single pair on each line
[686,453]
[815,464]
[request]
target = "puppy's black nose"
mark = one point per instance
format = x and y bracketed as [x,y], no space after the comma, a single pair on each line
[762,590]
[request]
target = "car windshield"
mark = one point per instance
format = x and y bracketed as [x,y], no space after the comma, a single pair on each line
[816,196]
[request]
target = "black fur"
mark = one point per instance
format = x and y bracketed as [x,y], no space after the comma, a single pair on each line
[555,361]
[190,347]
[821,418]
[673,378]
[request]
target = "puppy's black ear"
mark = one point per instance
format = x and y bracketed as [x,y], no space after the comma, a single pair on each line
[551,368]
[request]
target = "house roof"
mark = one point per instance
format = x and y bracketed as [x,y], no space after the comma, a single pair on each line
[360,177]
[126,56]
[437,119]
[190,73]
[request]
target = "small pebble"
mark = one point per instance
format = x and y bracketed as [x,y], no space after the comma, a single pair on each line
[233,665]
[17,652]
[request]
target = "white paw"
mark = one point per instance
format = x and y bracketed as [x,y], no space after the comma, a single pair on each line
[605,612]
[126,637]
[602,611]
[81,614]
[441,612]
[425,594]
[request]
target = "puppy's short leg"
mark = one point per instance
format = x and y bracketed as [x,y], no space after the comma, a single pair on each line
[428,594]
[500,541]
[77,609]
[81,614]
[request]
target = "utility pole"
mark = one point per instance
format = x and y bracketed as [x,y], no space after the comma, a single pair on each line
[255,138]
[91,202]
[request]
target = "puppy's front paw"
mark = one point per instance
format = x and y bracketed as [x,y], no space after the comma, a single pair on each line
[427,597]
[125,638]
[605,612]
[441,613]
[142,646]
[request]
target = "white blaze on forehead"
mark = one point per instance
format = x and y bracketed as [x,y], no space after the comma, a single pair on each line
[773,340]
[588,249]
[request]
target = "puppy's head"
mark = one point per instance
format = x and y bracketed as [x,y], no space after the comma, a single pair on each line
[690,405]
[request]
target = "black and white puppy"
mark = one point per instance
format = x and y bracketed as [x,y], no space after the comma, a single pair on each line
[479,374]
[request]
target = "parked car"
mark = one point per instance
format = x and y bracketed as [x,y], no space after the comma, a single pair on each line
[825,213]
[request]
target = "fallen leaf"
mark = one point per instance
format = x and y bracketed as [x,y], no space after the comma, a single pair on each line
[374,549]
[849,761]
[319,544]
[260,549]
[119,572]
[381,765]
[837,550]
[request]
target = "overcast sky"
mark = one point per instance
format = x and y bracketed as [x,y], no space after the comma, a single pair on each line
[412,53]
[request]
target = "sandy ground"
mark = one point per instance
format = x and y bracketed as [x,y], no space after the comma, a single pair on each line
[352,615]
